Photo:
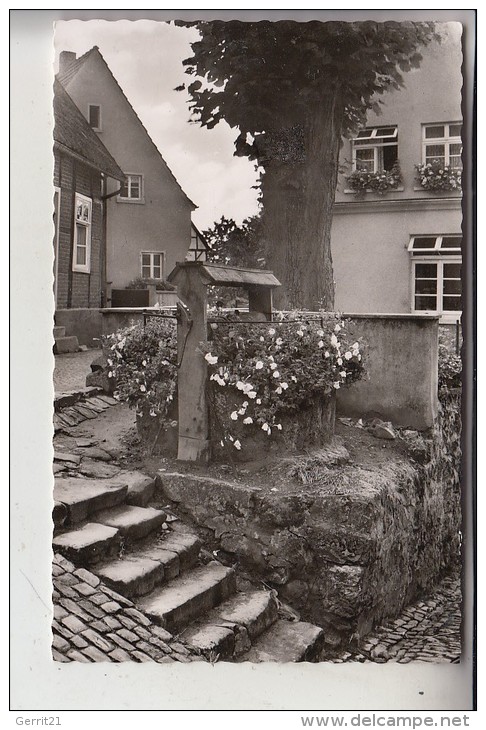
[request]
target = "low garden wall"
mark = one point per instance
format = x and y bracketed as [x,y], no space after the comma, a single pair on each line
[117,318]
[85,324]
[401,357]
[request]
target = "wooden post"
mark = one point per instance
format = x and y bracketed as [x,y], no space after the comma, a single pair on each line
[191,331]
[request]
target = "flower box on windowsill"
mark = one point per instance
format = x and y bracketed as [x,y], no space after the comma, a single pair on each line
[361,182]
[437,177]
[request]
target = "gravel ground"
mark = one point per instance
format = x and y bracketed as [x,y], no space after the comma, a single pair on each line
[71,370]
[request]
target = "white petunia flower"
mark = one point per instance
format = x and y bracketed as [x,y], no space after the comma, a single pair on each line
[144,363]
[279,426]
[258,401]
[276,374]
[300,333]
[343,373]
[265,427]
[326,354]
[348,355]
[237,445]
[337,328]
[337,385]
[273,365]
[242,411]
[234,416]
[248,420]
[340,361]
[262,339]
[279,341]
[110,374]
[334,340]
[252,394]
[284,386]
[143,388]
[320,343]
[211,359]
[278,390]
[258,365]
[271,331]
[293,378]
[320,333]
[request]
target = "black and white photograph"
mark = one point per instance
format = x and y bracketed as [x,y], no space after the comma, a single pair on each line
[262,310]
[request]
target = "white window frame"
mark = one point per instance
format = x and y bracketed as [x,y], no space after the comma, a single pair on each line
[152,265]
[131,199]
[438,256]
[87,224]
[375,142]
[447,140]
[99,127]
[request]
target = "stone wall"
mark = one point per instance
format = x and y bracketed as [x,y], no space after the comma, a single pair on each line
[85,324]
[400,358]
[346,552]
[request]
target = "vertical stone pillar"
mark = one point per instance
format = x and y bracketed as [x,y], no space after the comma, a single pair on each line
[193,442]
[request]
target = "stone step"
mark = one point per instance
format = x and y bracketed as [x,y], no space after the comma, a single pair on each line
[287,641]
[83,497]
[229,629]
[131,576]
[189,596]
[140,487]
[133,523]
[174,554]
[59,332]
[63,345]
[88,544]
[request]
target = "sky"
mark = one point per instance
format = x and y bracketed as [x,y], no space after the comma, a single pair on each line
[146,59]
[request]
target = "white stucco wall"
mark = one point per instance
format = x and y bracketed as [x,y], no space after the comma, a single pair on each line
[370,235]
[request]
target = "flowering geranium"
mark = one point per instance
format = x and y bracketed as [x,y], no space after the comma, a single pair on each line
[437,176]
[143,362]
[260,372]
[362,181]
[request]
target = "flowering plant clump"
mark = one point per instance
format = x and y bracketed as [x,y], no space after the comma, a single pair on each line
[437,176]
[265,371]
[362,181]
[143,361]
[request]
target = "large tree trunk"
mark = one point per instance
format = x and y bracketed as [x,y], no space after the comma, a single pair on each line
[298,195]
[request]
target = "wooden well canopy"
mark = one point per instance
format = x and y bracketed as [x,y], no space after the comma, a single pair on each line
[221,275]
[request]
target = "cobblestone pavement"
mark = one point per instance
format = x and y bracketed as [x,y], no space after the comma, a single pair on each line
[70,370]
[428,630]
[94,624]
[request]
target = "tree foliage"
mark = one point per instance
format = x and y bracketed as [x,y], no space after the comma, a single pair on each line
[291,91]
[237,245]
[266,75]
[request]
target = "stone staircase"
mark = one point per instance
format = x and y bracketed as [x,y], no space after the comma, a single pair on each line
[62,343]
[137,550]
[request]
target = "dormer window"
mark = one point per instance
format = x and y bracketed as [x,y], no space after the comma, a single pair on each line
[375,149]
[94,117]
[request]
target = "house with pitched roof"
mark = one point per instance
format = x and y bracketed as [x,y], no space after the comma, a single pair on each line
[83,169]
[397,223]
[149,216]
